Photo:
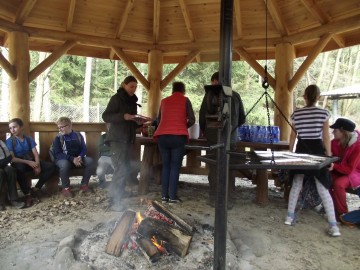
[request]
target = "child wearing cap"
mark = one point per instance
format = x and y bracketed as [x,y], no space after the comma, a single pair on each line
[346,172]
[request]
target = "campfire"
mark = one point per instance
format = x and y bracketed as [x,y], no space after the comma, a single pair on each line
[159,232]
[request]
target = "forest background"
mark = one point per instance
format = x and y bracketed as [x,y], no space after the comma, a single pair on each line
[80,87]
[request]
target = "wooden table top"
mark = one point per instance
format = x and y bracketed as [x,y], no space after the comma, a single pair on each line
[282,145]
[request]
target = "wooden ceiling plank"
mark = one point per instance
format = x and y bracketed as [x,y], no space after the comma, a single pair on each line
[70,15]
[132,67]
[324,40]
[124,18]
[9,68]
[156,21]
[185,13]
[316,11]
[238,20]
[255,65]
[51,59]
[178,69]
[277,18]
[24,11]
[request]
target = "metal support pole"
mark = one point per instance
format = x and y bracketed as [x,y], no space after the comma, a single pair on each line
[222,160]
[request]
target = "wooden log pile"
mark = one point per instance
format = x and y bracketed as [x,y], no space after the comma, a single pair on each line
[161,232]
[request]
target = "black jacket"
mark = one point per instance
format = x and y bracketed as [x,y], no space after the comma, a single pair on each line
[237,118]
[120,129]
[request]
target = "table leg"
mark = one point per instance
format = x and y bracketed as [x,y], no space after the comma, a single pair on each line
[262,187]
[145,171]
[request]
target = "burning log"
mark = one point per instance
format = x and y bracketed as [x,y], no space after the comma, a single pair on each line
[147,247]
[179,221]
[120,233]
[177,240]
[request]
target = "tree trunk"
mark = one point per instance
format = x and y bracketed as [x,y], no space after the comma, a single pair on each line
[40,89]
[86,104]
[324,62]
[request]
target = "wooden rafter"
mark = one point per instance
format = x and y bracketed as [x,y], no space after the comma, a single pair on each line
[278,20]
[316,11]
[10,69]
[52,58]
[185,13]
[156,21]
[238,18]
[24,10]
[132,67]
[178,69]
[124,17]
[255,65]
[309,60]
[70,16]
[348,24]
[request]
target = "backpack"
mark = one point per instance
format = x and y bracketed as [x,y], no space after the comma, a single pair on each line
[5,156]
[61,138]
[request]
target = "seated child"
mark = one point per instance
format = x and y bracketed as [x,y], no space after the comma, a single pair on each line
[70,152]
[26,159]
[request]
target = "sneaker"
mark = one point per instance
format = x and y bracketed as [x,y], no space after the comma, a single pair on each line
[289,220]
[164,199]
[16,204]
[66,193]
[176,200]
[102,184]
[83,189]
[334,231]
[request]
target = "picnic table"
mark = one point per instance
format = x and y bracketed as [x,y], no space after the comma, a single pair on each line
[151,163]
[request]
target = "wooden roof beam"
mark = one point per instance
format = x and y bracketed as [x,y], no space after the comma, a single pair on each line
[51,59]
[185,13]
[278,20]
[132,67]
[178,69]
[70,17]
[156,21]
[9,68]
[124,18]
[311,34]
[255,65]
[316,11]
[24,10]
[309,60]
[238,19]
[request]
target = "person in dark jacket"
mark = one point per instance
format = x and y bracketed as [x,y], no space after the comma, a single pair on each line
[121,113]
[237,119]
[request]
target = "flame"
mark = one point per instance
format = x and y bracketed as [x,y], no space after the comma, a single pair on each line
[139,217]
[158,245]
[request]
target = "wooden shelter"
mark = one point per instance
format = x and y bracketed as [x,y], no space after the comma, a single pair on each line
[172,31]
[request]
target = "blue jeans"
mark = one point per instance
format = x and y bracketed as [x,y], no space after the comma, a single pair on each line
[172,150]
[65,166]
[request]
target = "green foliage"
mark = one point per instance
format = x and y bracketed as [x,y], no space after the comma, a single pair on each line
[67,81]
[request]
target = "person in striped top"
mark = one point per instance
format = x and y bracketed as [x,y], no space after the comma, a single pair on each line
[311,129]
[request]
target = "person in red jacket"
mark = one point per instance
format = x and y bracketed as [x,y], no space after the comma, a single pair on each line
[346,172]
[175,116]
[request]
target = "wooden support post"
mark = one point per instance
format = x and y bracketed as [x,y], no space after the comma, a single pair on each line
[154,78]
[283,97]
[19,105]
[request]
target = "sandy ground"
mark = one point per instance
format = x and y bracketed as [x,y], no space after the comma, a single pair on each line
[257,237]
